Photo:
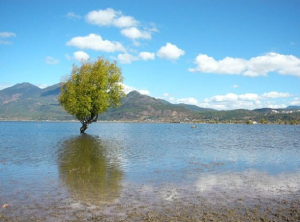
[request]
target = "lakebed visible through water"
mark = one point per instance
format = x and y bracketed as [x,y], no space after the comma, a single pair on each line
[149,172]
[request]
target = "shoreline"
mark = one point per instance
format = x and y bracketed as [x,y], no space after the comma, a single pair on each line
[136,206]
[149,122]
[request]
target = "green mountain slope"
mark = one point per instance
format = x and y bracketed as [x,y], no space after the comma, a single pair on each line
[25,101]
[136,106]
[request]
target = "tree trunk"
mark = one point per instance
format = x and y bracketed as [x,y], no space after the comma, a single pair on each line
[83,128]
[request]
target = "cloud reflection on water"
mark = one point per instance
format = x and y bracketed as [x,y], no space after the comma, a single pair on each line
[250,181]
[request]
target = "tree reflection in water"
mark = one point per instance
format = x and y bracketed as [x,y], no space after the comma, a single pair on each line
[89,170]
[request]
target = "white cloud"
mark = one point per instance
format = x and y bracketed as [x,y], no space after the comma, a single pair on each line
[272,105]
[256,66]
[81,56]
[249,97]
[7,34]
[230,97]
[135,33]
[144,92]
[170,52]
[147,56]
[42,86]
[128,24]
[235,86]
[245,101]
[125,21]
[101,17]
[2,42]
[51,61]
[127,58]
[128,89]
[274,95]
[73,16]
[252,181]
[95,42]
[191,101]
[295,102]
[172,99]
[110,17]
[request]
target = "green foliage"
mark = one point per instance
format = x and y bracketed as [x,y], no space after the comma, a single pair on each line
[92,89]
[249,122]
[263,121]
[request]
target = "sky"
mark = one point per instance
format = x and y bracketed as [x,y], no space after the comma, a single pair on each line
[220,54]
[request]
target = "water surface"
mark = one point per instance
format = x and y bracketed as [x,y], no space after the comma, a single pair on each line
[50,171]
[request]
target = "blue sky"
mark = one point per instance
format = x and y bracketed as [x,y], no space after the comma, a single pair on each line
[220,54]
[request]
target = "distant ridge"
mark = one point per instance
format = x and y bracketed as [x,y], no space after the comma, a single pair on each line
[25,101]
[293,107]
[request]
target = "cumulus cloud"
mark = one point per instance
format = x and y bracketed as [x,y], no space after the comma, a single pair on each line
[2,42]
[110,17]
[95,42]
[249,97]
[125,21]
[101,17]
[230,97]
[7,34]
[128,24]
[245,101]
[295,102]
[81,56]
[73,16]
[252,181]
[274,95]
[170,52]
[256,66]
[172,99]
[128,89]
[144,92]
[235,86]
[191,101]
[127,58]
[51,61]
[147,56]
[42,85]
[134,33]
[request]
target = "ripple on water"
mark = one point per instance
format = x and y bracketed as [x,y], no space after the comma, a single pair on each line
[49,170]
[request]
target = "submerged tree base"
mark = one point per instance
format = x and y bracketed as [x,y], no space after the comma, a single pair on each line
[83,128]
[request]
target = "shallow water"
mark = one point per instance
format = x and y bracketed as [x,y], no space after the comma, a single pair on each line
[50,172]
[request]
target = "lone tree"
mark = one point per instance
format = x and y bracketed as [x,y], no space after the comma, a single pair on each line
[91,89]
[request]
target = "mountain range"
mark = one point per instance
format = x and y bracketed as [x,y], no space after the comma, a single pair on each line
[25,101]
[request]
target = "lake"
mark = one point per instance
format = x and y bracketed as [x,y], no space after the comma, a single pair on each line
[137,171]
